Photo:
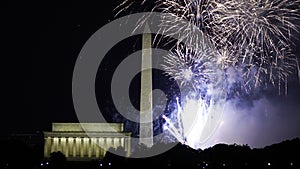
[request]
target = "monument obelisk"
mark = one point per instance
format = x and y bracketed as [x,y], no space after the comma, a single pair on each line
[146,126]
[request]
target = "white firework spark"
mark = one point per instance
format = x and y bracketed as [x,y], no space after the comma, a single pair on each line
[259,33]
[195,120]
[191,67]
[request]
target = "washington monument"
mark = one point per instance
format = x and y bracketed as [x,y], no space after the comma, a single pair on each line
[146,126]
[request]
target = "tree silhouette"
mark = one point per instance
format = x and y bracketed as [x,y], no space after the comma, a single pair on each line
[57,160]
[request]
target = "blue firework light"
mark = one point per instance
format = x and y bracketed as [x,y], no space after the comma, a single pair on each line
[192,69]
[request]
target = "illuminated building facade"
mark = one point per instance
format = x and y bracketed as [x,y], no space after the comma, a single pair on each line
[85,141]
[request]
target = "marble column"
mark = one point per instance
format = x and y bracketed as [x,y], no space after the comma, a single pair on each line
[55,144]
[47,147]
[77,144]
[89,148]
[81,147]
[98,142]
[62,145]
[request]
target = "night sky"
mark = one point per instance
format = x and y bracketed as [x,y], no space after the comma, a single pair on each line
[41,43]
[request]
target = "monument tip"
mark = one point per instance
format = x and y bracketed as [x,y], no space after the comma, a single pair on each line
[147,28]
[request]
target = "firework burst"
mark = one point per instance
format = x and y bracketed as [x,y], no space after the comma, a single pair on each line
[191,67]
[259,33]
[255,34]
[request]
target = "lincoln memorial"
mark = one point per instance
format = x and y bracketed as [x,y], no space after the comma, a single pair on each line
[85,141]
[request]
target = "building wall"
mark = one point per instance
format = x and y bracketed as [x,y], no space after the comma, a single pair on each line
[88,127]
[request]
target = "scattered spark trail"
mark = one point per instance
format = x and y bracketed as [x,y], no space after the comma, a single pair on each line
[259,33]
[193,117]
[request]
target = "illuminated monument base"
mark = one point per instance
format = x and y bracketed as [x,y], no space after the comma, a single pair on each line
[85,141]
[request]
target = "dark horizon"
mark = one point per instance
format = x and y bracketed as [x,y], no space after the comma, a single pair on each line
[280,155]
